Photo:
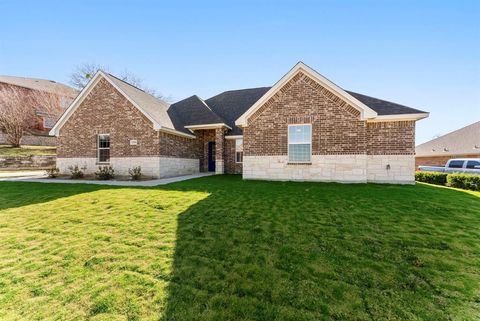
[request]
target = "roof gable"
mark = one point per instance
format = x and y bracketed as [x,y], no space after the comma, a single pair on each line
[230,105]
[152,108]
[365,111]
[192,111]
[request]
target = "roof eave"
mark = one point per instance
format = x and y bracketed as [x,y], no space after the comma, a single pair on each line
[399,117]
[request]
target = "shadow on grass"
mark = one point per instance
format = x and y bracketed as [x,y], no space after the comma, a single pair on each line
[256,250]
[309,251]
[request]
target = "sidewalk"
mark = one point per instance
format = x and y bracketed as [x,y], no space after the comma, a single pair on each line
[154,182]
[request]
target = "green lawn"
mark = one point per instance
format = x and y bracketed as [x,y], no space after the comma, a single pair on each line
[26,150]
[219,248]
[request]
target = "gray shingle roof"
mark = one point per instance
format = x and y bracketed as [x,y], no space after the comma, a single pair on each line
[230,105]
[192,111]
[383,107]
[40,85]
[463,141]
[154,107]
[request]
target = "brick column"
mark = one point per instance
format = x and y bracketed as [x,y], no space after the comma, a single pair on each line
[219,148]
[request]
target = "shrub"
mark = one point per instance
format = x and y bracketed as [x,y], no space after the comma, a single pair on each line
[77,172]
[52,172]
[464,181]
[104,173]
[436,178]
[135,173]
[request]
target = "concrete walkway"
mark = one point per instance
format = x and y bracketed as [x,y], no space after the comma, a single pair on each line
[153,182]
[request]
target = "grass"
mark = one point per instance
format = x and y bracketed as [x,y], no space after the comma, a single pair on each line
[6,150]
[219,248]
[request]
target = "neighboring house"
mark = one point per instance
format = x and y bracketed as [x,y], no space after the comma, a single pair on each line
[462,143]
[44,120]
[303,128]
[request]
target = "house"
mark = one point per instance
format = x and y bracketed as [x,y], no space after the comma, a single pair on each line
[303,128]
[461,143]
[43,118]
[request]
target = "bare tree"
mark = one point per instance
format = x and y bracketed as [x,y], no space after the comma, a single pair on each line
[18,109]
[83,73]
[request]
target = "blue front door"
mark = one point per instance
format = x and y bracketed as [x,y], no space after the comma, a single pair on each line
[211,156]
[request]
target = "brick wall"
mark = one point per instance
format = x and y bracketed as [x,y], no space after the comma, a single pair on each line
[231,167]
[336,125]
[180,147]
[336,128]
[391,138]
[439,160]
[106,111]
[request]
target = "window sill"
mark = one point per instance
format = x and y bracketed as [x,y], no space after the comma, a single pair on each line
[299,163]
[102,164]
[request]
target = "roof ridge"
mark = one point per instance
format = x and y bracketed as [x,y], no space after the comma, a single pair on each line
[125,82]
[243,89]
[448,134]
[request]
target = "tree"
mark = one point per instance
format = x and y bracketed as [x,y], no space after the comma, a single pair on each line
[84,72]
[18,107]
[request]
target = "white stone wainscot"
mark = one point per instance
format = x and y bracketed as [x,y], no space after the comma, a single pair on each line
[156,167]
[396,169]
[170,167]
[333,168]
[326,168]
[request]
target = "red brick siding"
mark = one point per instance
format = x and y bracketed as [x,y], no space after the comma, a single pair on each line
[106,111]
[391,138]
[230,166]
[439,160]
[336,128]
[180,147]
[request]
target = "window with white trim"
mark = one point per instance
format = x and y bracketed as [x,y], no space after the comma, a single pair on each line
[300,143]
[239,150]
[103,148]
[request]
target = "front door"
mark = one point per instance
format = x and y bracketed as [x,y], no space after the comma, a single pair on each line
[211,156]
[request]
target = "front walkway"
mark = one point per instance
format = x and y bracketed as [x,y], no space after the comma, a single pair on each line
[153,182]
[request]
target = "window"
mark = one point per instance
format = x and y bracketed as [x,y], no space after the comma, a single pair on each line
[48,122]
[239,150]
[299,143]
[472,164]
[455,164]
[103,147]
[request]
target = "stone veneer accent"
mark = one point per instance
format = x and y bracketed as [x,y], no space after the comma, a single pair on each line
[333,168]
[157,167]
[170,166]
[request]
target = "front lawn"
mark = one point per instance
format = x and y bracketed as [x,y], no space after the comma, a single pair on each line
[219,248]
[6,150]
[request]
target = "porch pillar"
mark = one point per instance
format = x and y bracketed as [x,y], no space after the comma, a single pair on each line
[219,147]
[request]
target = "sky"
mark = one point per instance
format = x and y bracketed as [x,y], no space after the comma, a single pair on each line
[422,54]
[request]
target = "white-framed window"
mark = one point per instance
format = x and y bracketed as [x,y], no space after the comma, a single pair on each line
[48,122]
[239,150]
[300,143]
[103,148]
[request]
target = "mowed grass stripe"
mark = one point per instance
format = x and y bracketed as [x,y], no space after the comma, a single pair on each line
[219,248]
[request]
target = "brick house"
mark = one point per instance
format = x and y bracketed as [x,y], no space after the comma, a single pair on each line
[303,128]
[461,143]
[42,120]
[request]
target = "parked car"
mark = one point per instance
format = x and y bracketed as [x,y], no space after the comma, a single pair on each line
[458,165]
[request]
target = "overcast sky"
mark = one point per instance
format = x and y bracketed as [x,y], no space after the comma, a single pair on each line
[423,54]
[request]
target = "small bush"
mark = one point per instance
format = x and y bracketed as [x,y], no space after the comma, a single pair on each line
[464,181]
[135,173]
[431,177]
[77,172]
[104,173]
[52,172]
